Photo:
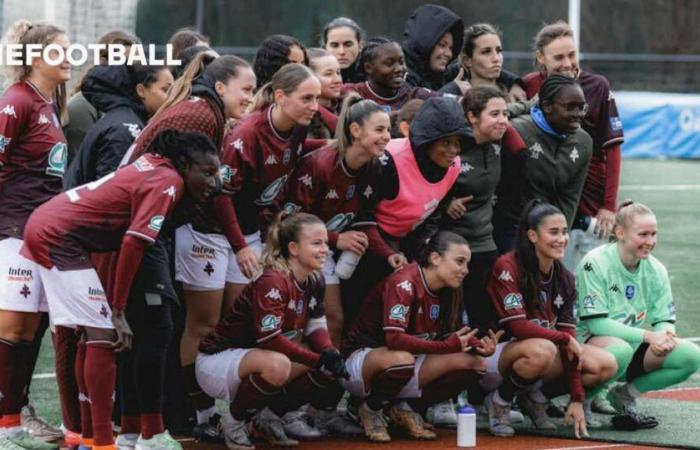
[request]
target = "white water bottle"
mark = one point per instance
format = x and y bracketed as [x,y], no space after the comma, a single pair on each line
[346,264]
[466,427]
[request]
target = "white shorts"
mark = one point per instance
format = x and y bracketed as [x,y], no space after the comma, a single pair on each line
[355,385]
[579,244]
[20,283]
[329,270]
[76,298]
[217,374]
[492,361]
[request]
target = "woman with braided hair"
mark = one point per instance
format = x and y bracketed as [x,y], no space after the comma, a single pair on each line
[274,52]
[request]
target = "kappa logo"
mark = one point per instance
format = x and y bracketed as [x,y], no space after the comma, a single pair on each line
[42,119]
[588,267]
[615,288]
[270,160]
[274,294]
[558,302]
[306,180]
[466,167]
[156,223]
[312,303]
[368,192]
[574,155]
[332,194]
[406,286]
[9,110]
[398,313]
[270,322]
[133,128]
[171,191]
[513,301]
[536,150]
[420,310]
[4,142]
[238,144]
[505,276]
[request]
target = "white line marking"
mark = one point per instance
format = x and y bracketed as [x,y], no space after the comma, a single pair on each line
[42,376]
[585,447]
[678,389]
[693,339]
[661,187]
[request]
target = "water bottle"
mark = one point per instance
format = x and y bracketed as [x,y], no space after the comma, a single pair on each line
[466,427]
[346,264]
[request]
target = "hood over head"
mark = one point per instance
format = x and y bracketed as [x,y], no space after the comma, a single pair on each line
[109,87]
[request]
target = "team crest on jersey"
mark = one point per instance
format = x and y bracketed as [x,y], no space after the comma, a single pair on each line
[536,150]
[543,297]
[332,195]
[339,221]
[406,286]
[271,191]
[9,110]
[274,294]
[312,303]
[630,290]
[226,173]
[156,223]
[589,301]
[399,313]
[42,119]
[466,167]
[4,142]
[57,160]
[269,323]
[350,192]
[505,276]
[133,128]
[286,156]
[434,312]
[574,155]
[615,123]
[513,301]
[300,307]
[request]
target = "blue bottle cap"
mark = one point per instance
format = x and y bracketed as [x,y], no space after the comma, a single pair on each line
[466,409]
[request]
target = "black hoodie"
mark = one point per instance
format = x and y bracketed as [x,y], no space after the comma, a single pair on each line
[108,89]
[424,29]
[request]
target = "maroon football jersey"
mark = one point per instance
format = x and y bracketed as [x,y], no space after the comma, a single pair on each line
[273,303]
[255,164]
[405,93]
[402,302]
[32,155]
[323,185]
[94,217]
[602,123]
[503,287]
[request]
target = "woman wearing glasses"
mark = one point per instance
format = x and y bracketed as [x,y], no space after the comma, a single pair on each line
[555,161]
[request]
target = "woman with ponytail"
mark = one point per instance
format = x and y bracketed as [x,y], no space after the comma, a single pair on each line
[410,349]
[533,296]
[32,163]
[335,182]
[271,352]
[123,211]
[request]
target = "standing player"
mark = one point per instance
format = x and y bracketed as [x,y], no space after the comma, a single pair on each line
[556,52]
[327,70]
[271,352]
[534,295]
[32,163]
[122,211]
[344,39]
[334,182]
[621,286]
[410,343]
[274,52]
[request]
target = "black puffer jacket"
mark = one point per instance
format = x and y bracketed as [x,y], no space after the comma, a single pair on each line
[424,28]
[107,88]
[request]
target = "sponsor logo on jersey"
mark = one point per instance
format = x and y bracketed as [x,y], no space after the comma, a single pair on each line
[307,181]
[4,142]
[312,303]
[143,165]
[339,221]
[209,268]
[398,313]
[270,192]
[406,286]
[21,275]
[630,290]
[574,155]
[536,150]
[332,195]
[57,160]
[133,128]
[615,123]
[589,301]
[226,173]
[640,316]
[270,160]
[274,294]
[505,276]
[171,191]
[286,156]
[156,223]
[512,301]
[350,192]
[96,294]
[434,312]
[42,119]
[269,323]
[238,144]
[9,110]
[559,301]
[368,192]
[466,167]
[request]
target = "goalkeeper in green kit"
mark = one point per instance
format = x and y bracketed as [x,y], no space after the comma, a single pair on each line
[621,287]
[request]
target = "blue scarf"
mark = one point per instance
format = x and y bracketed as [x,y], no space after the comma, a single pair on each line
[541,122]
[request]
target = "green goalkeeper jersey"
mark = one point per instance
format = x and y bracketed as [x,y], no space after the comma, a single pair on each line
[605,288]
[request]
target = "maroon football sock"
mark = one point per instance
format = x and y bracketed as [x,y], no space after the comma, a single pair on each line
[84,400]
[65,344]
[446,387]
[387,385]
[322,391]
[10,385]
[100,378]
[253,394]
[151,424]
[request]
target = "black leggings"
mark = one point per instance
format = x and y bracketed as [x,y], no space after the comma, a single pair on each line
[477,303]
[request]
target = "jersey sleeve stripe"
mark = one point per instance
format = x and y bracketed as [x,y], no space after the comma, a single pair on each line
[509,318]
[312,325]
[613,141]
[594,316]
[141,236]
[403,330]
[653,324]
[568,325]
[268,337]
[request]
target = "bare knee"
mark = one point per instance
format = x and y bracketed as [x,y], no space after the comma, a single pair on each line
[276,368]
[539,356]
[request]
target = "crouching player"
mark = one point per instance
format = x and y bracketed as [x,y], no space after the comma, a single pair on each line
[255,357]
[403,350]
[533,296]
[121,211]
[621,286]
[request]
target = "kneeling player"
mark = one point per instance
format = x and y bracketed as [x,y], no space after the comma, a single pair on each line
[401,317]
[121,211]
[620,287]
[256,350]
[533,295]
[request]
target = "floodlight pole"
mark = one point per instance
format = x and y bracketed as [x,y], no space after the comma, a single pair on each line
[575,22]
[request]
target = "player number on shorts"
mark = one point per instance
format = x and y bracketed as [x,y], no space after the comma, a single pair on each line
[73,193]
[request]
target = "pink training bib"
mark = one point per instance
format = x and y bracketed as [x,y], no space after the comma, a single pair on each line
[417,197]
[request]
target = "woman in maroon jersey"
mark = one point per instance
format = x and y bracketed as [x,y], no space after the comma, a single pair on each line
[274,52]
[32,163]
[274,339]
[410,342]
[335,182]
[326,68]
[534,296]
[123,211]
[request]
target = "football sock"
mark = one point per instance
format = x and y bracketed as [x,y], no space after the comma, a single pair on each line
[446,386]
[11,398]
[253,394]
[623,353]
[151,424]
[203,404]
[65,344]
[33,354]
[130,425]
[388,384]
[100,378]
[85,410]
